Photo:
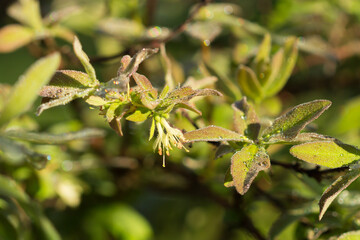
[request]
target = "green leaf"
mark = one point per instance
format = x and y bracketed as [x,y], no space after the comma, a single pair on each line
[248,115]
[292,122]
[215,134]
[335,189]
[264,50]
[64,99]
[84,59]
[246,164]
[152,129]
[140,115]
[45,138]
[14,36]
[26,89]
[300,138]
[353,235]
[330,154]
[282,65]
[96,101]
[65,83]
[145,84]
[249,83]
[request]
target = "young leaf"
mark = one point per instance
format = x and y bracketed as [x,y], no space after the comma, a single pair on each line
[64,100]
[330,154]
[139,115]
[84,59]
[287,64]
[65,83]
[214,133]
[249,116]
[291,123]
[14,36]
[249,83]
[26,89]
[246,164]
[145,84]
[335,189]
[264,50]
[239,120]
[95,101]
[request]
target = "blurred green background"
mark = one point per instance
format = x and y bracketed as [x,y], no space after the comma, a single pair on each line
[115,188]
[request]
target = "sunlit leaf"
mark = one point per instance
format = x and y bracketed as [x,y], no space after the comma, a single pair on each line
[353,235]
[64,99]
[246,164]
[96,101]
[292,122]
[152,129]
[14,36]
[249,83]
[84,59]
[214,133]
[331,154]
[336,188]
[65,83]
[300,138]
[26,89]
[139,115]
[145,84]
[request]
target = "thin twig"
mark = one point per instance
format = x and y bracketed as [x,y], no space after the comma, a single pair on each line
[314,173]
[154,44]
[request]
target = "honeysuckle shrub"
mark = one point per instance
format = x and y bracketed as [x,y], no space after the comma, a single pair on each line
[225,117]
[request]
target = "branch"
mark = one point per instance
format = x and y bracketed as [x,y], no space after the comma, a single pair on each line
[314,173]
[154,44]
